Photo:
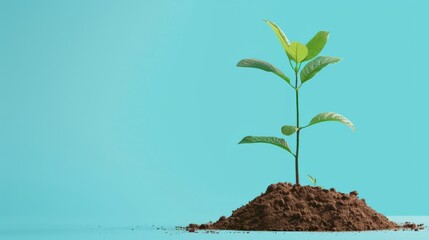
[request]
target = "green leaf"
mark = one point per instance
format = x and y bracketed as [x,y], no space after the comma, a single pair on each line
[315,65]
[313,180]
[279,142]
[331,116]
[255,63]
[297,52]
[279,33]
[288,130]
[316,44]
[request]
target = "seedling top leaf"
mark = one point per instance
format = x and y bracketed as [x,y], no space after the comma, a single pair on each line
[279,33]
[316,44]
[297,53]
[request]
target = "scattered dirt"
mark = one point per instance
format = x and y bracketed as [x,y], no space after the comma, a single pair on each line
[412,226]
[287,207]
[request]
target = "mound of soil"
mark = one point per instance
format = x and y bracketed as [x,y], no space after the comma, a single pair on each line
[287,207]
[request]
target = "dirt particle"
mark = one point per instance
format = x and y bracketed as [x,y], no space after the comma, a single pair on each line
[300,205]
[345,197]
[354,193]
[297,215]
[271,188]
[330,207]
[280,202]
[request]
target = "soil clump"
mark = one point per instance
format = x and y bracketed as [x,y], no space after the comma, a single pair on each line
[287,207]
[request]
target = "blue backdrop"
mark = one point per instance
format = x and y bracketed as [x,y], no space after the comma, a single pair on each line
[129,112]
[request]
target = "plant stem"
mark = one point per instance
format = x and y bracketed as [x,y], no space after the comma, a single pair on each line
[297,125]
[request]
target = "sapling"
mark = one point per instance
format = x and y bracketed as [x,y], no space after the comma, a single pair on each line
[297,54]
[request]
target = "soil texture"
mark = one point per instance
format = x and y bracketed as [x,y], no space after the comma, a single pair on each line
[287,207]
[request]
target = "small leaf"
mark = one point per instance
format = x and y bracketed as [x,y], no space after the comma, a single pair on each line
[313,180]
[279,142]
[316,44]
[297,52]
[315,65]
[279,33]
[288,130]
[255,63]
[331,116]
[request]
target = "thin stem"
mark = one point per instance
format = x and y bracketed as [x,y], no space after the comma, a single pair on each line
[290,62]
[297,125]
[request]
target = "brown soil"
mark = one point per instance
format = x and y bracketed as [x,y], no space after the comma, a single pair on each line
[287,207]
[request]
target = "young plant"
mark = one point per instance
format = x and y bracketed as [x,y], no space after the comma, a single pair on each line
[314,181]
[297,54]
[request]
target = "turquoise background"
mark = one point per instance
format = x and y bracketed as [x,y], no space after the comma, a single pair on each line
[128,112]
